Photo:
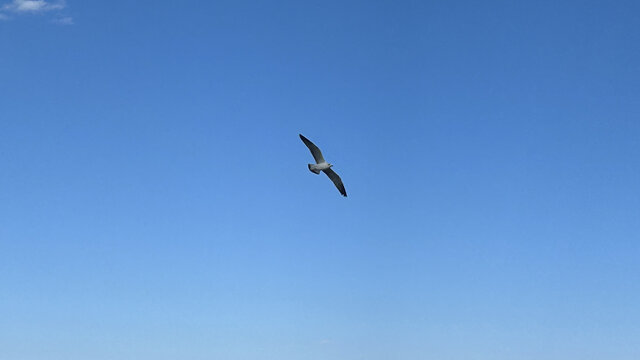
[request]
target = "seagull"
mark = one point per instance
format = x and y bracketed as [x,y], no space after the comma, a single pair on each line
[322,165]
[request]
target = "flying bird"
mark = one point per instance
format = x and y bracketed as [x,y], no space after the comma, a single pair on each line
[322,165]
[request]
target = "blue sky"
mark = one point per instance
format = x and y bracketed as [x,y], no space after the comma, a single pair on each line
[155,201]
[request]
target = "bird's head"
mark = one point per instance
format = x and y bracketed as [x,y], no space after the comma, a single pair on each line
[330,165]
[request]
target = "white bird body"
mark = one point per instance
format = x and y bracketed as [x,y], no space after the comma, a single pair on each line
[316,168]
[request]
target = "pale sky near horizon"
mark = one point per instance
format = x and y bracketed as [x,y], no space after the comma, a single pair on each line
[155,201]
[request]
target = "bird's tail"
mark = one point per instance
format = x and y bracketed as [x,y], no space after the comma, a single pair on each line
[315,171]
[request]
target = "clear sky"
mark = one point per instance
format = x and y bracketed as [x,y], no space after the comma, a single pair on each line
[155,201]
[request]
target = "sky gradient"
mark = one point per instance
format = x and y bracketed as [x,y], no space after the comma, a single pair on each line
[155,201]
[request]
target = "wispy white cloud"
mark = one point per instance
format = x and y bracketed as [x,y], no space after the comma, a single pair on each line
[33,6]
[15,8]
[63,20]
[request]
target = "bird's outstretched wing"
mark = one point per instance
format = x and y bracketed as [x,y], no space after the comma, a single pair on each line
[336,180]
[317,155]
